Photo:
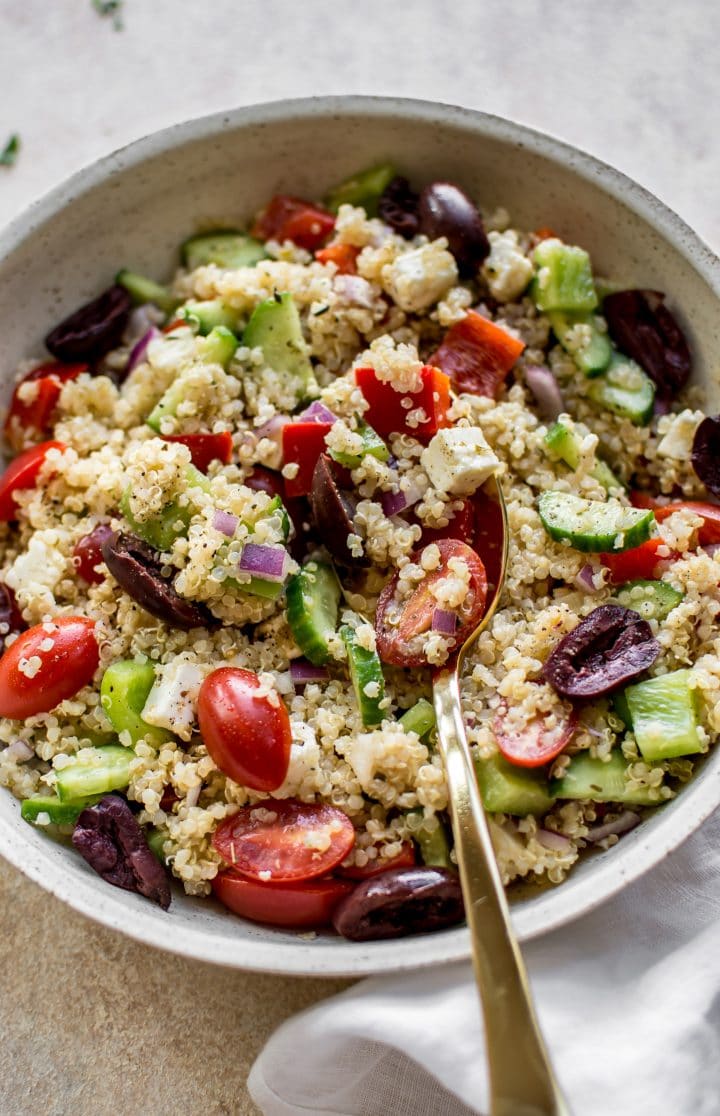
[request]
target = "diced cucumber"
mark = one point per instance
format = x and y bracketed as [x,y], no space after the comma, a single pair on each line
[511,790]
[365,673]
[142,290]
[206,316]
[591,357]
[59,813]
[625,390]
[218,347]
[172,522]
[106,770]
[123,692]
[592,526]
[168,404]
[226,247]
[259,587]
[595,780]
[372,444]
[156,839]
[563,279]
[565,442]
[362,189]
[435,847]
[653,600]
[313,596]
[664,716]
[276,507]
[275,328]
[420,718]
[621,708]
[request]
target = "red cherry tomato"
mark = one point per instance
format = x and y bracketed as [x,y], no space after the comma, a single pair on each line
[22,473]
[28,420]
[639,562]
[246,733]
[68,656]
[404,859]
[205,448]
[477,355]
[489,535]
[88,553]
[283,841]
[302,906]
[534,745]
[394,634]
[461,526]
[344,256]
[289,218]
[710,531]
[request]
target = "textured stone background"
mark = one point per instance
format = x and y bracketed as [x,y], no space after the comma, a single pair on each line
[92,1022]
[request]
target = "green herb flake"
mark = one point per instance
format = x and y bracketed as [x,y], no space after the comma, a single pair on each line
[112,9]
[10,151]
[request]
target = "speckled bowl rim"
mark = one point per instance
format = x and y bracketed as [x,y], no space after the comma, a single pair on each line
[628,861]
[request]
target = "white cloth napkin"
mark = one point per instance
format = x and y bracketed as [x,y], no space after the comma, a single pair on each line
[628,998]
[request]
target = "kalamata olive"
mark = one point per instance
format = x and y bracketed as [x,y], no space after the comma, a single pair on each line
[333,512]
[608,648]
[137,570]
[706,453]
[88,553]
[398,207]
[399,902]
[641,326]
[94,329]
[11,619]
[108,836]
[445,210]
[261,479]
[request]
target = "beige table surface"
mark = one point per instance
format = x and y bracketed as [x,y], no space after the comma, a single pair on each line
[90,1022]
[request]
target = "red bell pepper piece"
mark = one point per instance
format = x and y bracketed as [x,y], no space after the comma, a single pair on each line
[477,355]
[205,448]
[709,532]
[289,218]
[639,562]
[27,420]
[303,442]
[386,413]
[344,256]
[22,473]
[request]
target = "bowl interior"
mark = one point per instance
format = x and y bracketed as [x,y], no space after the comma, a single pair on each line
[133,208]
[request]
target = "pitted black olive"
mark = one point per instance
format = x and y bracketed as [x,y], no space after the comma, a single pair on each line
[11,619]
[706,453]
[445,210]
[641,326]
[608,648]
[400,902]
[398,207]
[108,836]
[333,512]
[94,329]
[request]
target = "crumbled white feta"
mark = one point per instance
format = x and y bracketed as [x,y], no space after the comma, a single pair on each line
[507,270]
[304,762]
[458,460]
[171,702]
[418,278]
[677,440]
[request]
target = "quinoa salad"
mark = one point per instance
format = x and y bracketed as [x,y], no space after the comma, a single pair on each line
[247,514]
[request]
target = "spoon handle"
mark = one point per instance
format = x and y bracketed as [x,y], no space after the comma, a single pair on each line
[522,1082]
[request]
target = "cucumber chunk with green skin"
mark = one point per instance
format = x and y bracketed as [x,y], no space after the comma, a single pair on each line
[219,347]
[621,708]
[123,692]
[592,526]
[313,597]
[226,247]
[565,442]
[365,673]
[563,279]
[664,716]
[142,290]
[107,769]
[156,839]
[275,328]
[420,718]
[372,444]
[510,790]
[364,189]
[653,600]
[625,390]
[590,779]
[435,847]
[593,355]
[172,522]
[207,316]
[59,813]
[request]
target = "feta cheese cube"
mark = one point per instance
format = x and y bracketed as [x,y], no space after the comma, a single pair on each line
[677,441]
[420,277]
[304,765]
[37,571]
[506,269]
[172,701]
[458,460]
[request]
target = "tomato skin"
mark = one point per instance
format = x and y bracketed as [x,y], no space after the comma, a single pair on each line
[302,443]
[416,617]
[22,473]
[386,413]
[65,668]
[477,355]
[205,448]
[344,256]
[489,536]
[710,531]
[534,746]
[639,562]
[304,906]
[26,421]
[405,859]
[290,840]
[461,526]
[247,736]
[291,218]
[88,553]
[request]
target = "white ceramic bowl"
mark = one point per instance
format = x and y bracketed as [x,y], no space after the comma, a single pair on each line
[135,206]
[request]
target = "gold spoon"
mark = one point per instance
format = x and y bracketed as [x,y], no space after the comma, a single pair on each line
[521,1077]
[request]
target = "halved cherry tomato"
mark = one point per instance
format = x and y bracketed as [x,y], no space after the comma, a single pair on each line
[386,413]
[88,553]
[246,733]
[289,218]
[415,616]
[710,513]
[28,420]
[22,473]
[639,562]
[477,355]
[205,448]
[298,906]
[489,535]
[302,444]
[283,841]
[461,526]
[344,256]
[534,745]
[10,615]
[405,859]
[68,656]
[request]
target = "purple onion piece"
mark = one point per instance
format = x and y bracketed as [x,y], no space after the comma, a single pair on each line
[584,580]
[546,390]
[317,412]
[273,429]
[554,841]
[302,672]
[444,621]
[267,562]
[137,353]
[622,824]
[393,502]
[225,522]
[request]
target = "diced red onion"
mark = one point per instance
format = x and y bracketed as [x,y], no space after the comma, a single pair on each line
[317,412]
[622,824]
[267,562]
[137,354]
[711,549]
[273,429]
[225,522]
[584,580]
[554,841]
[661,406]
[141,319]
[544,387]
[395,502]
[19,751]
[443,621]
[302,672]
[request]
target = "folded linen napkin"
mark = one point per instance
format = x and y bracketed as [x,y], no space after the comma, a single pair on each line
[628,998]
